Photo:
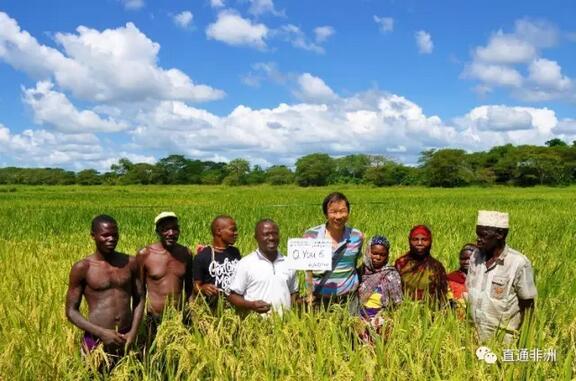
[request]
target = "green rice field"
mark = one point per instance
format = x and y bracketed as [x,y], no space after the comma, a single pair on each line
[44,230]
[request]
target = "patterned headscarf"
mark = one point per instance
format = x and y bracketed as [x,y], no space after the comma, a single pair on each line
[385,277]
[376,240]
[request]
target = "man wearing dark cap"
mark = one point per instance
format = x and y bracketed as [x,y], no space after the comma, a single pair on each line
[165,270]
[500,281]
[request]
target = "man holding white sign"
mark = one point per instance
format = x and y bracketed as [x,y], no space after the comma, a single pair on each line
[310,254]
[263,281]
[339,283]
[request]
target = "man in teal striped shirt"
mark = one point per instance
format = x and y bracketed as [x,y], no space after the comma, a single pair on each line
[341,283]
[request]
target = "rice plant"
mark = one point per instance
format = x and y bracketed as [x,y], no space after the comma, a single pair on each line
[45,230]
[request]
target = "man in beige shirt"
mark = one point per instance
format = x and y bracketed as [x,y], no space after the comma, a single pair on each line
[500,281]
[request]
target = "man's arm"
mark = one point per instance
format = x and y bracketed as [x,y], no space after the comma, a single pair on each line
[207,289]
[76,286]
[442,290]
[294,298]
[238,301]
[526,291]
[138,301]
[199,270]
[141,268]
[309,280]
[293,288]
[189,276]
[526,310]
[238,287]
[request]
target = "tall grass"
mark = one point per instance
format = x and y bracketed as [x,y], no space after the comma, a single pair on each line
[45,230]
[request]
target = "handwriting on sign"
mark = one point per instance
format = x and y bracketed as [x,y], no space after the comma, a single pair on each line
[307,254]
[310,254]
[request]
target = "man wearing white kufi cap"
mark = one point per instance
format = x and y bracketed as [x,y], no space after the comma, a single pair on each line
[500,280]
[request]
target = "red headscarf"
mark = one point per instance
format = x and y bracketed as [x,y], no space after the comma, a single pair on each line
[420,229]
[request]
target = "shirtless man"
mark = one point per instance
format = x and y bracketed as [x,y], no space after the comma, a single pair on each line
[165,271]
[109,281]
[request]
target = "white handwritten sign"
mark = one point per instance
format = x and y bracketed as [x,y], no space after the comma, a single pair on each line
[309,254]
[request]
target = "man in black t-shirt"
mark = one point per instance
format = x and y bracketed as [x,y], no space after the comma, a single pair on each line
[214,265]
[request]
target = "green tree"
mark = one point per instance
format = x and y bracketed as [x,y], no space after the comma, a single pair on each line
[138,173]
[171,170]
[351,168]
[540,166]
[256,176]
[446,168]
[279,175]
[388,173]
[177,169]
[501,160]
[314,169]
[213,173]
[123,166]
[484,176]
[556,143]
[88,177]
[237,172]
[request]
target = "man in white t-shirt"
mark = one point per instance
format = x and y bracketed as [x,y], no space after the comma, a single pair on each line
[263,280]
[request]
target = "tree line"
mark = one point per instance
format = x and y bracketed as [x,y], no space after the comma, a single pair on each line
[526,165]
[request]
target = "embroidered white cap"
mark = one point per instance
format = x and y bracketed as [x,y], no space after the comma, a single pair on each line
[163,215]
[493,219]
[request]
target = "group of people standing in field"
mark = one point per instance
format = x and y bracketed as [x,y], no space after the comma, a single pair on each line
[494,282]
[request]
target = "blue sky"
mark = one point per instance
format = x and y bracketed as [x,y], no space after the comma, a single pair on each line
[86,83]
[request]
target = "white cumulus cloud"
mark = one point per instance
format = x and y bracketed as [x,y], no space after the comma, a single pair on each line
[503,49]
[539,33]
[370,122]
[385,24]
[313,89]
[217,3]
[133,4]
[54,108]
[506,56]
[232,29]
[492,125]
[566,127]
[548,73]
[183,19]
[260,7]
[102,66]
[322,33]
[297,38]
[490,74]
[424,42]
[42,148]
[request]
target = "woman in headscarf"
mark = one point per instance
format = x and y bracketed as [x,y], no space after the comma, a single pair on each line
[457,281]
[380,289]
[423,277]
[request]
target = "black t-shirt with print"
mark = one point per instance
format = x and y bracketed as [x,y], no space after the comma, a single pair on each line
[218,272]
